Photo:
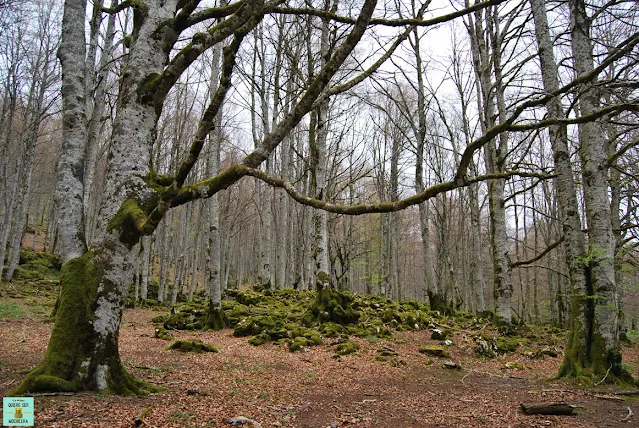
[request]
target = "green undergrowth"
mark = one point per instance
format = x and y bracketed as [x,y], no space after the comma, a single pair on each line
[37,275]
[38,266]
[301,319]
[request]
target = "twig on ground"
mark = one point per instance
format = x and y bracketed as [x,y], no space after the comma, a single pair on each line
[627,417]
[465,376]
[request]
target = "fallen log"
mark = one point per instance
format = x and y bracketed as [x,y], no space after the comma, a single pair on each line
[548,409]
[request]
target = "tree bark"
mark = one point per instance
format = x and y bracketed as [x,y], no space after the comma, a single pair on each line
[594,342]
[83,349]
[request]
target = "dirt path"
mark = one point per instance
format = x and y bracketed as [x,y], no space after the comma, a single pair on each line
[309,389]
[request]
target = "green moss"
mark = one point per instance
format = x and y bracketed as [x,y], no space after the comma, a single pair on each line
[331,306]
[196,346]
[215,319]
[436,351]
[396,362]
[331,329]
[346,348]
[128,220]
[298,343]
[390,316]
[385,352]
[147,87]
[162,333]
[70,361]
[249,298]
[507,345]
[271,325]
[311,336]
[259,339]
[234,312]
[37,266]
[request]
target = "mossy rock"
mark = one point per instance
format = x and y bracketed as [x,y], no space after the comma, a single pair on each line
[162,333]
[252,326]
[346,348]
[234,312]
[259,339]
[298,343]
[249,298]
[513,365]
[391,316]
[542,352]
[435,351]
[36,266]
[307,333]
[178,321]
[184,317]
[386,352]
[331,329]
[485,346]
[332,306]
[507,345]
[439,334]
[397,362]
[370,330]
[196,346]
[48,259]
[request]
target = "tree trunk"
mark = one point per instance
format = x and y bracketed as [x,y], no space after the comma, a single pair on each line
[83,350]
[594,341]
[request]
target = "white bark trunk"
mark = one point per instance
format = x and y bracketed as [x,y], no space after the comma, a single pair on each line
[601,243]
[70,188]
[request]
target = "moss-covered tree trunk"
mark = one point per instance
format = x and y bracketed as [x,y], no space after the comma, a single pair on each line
[83,349]
[593,347]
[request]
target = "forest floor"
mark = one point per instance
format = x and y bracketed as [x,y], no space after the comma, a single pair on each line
[312,388]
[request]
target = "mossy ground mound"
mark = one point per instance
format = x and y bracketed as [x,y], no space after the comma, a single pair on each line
[299,319]
[346,348]
[332,306]
[38,266]
[196,346]
[183,317]
[435,351]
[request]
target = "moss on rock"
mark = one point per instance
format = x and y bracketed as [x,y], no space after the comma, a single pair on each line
[162,333]
[37,266]
[259,339]
[346,348]
[332,306]
[435,351]
[196,346]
